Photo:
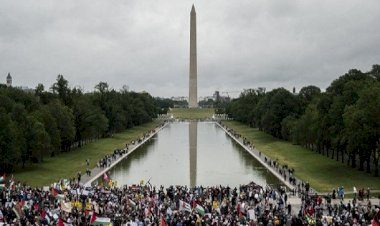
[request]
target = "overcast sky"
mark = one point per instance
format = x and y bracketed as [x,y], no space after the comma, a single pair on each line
[144,44]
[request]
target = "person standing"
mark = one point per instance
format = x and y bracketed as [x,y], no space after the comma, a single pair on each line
[79,175]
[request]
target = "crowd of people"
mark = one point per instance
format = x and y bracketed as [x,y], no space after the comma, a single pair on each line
[69,203]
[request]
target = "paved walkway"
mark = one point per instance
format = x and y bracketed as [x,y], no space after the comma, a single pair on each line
[261,158]
[99,171]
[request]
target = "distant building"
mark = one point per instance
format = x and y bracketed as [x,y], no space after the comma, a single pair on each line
[9,80]
[179,98]
[217,97]
[23,88]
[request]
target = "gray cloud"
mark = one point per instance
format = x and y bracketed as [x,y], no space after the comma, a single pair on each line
[145,44]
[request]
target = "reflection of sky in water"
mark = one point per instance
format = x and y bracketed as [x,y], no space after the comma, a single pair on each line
[167,159]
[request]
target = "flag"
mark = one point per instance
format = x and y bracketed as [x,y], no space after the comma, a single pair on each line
[101,221]
[66,206]
[200,210]
[95,220]
[62,223]
[93,217]
[184,206]
[2,179]
[2,186]
[60,196]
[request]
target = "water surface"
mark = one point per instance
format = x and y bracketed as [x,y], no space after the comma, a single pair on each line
[191,153]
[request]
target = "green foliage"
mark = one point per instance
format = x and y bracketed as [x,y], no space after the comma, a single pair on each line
[342,122]
[8,144]
[163,105]
[53,169]
[36,126]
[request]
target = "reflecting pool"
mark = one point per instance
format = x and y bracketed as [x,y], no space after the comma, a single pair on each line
[191,153]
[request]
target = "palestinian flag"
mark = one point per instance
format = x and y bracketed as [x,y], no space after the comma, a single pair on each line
[63,223]
[95,220]
[200,210]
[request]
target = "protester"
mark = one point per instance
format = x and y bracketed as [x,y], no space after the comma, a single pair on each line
[69,203]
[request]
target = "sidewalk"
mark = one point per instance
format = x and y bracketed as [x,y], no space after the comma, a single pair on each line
[99,171]
[261,158]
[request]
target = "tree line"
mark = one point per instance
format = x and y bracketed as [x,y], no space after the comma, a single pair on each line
[342,123]
[44,123]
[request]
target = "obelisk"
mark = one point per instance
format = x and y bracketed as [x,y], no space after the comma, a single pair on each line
[193,96]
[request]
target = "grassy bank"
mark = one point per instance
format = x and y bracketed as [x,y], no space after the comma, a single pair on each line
[67,164]
[192,113]
[323,173]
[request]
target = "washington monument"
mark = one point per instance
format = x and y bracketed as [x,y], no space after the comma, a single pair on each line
[193,90]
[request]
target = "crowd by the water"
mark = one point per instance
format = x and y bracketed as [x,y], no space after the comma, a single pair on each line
[69,203]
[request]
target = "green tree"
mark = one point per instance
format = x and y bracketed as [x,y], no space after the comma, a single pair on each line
[375,72]
[280,104]
[362,122]
[20,118]
[65,123]
[44,116]
[61,87]
[39,139]
[9,149]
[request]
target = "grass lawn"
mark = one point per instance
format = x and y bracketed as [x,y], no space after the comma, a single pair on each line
[323,173]
[67,164]
[192,113]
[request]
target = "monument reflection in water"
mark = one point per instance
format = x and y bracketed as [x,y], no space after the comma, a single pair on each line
[191,153]
[193,133]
